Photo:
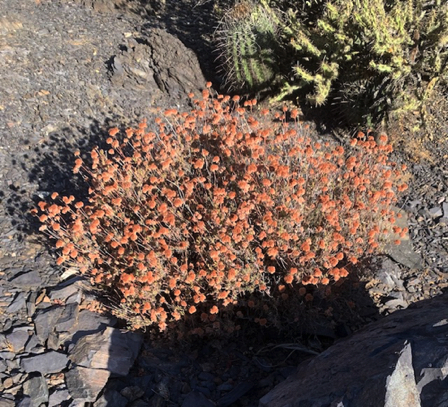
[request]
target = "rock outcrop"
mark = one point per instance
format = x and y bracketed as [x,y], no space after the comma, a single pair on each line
[399,361]
[158,63]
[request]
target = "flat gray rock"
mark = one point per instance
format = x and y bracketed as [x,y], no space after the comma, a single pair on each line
[70,294]
[68,319]
[64,327]
[48,362]
[37,390]
[396,304]
[88,323]
[26,402]
[404,252]
[28,280]
[435,212]
[58,397]
[33,345]
[4,402]
[85,384]
[3,343]
[77,403]
[18,338]
[45,321]
[112,349]
[31,303]
[445,209]
[17,304]
[7,355]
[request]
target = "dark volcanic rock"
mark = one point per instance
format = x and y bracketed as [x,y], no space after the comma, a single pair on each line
[62,325]
[69,293]
[111,398]
[404,253]
[89,322]
[159,63]
[27,280]
[68,318]
[132,393]
[25,402]
[18,338]
[112,349]
[197,399]
[394,362]
[58,396]
[4,402]
[37,390]
[17,304]
[235,394]
[84,383]
[45,321]
[48,362]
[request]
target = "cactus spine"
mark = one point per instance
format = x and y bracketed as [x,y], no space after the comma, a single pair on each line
[248,40]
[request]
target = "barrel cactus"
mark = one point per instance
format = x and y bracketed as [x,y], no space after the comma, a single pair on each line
[249,43]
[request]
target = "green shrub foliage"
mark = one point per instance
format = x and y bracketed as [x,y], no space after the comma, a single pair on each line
[377,59]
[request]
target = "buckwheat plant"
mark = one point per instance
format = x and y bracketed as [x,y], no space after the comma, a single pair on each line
[220,201]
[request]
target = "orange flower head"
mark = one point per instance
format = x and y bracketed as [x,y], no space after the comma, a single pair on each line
[289,279]
[271,270]
[178,202]
[113,131]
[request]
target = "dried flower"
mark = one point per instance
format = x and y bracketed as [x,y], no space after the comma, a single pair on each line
[217,206]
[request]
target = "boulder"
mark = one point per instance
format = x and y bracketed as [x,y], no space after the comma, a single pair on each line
[113,350]
[157,63]
[398,361]
[96,357]
[85,384]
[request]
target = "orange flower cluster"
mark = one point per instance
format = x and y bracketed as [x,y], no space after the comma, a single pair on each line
[214,203]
